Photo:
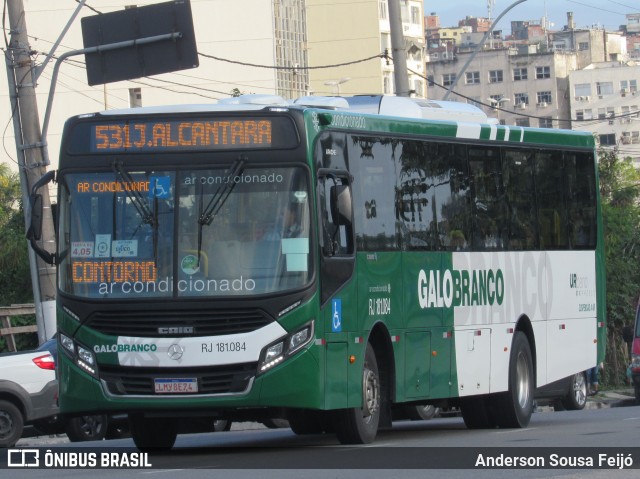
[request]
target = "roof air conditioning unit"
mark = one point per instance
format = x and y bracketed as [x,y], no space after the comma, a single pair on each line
[543,104]
[522,106]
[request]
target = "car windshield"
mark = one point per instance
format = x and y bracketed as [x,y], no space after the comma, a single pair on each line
[230,231]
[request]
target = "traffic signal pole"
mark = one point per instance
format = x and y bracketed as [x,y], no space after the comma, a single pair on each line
[31,154]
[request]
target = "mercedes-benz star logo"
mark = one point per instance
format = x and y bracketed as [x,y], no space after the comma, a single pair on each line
[175,352]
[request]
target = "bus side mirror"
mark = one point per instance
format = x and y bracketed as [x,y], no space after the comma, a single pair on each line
[341,205]
[34,233]
[35,226]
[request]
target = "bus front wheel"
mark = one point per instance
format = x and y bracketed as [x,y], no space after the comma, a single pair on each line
[360,425]
[516,405]
[153,434]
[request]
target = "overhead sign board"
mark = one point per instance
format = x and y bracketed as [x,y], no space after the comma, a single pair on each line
[144,58]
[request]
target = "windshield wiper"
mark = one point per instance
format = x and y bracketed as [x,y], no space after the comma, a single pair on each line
[135,196]
[207,214]
[149,217]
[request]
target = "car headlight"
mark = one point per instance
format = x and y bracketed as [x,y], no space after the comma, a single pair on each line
[285,347]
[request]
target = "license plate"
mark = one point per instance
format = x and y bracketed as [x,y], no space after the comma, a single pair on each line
[175,385]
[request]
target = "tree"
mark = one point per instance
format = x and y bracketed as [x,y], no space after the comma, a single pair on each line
[15,276]
[620,194]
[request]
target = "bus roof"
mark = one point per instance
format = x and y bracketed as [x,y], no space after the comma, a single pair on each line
[388,105]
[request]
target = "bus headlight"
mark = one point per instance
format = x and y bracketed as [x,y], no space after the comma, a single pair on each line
[86,360]
[277,352]
[80,355]
[68,344]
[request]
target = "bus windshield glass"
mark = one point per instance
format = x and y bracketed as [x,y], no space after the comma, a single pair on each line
[234,231]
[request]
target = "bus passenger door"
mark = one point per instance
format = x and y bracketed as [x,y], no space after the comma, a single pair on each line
[337,289]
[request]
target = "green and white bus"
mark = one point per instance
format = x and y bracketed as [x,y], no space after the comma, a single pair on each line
[437,258]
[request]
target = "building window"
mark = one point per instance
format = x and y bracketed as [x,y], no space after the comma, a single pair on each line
[604,88]
[473,78]
[583,46]
[522,122]
[608,139]
[521,99]
[135,97]
[630,137]
[584,114]
[475,101]
[387,83]
[415,16]
[418,88]
[629,86]
[495,76]
[546,122]
[583,89]
[544,97]
[448,79]
[519,74]
[385,41]
[383,10]
[430,80]
[543,72]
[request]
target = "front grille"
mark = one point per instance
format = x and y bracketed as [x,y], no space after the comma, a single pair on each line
[211,380]
[146,324]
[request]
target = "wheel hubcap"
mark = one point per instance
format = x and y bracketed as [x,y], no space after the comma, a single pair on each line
[524,380]
[580,389]
[5,424]
[370,393]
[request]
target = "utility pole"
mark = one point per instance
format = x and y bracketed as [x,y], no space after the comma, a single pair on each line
[398,49]
[31,151]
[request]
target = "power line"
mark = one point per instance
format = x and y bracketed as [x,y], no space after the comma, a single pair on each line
[273,67]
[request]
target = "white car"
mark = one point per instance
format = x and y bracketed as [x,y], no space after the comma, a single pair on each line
[29,396]
[28,391]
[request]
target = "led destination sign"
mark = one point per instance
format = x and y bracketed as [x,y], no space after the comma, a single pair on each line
[179,135]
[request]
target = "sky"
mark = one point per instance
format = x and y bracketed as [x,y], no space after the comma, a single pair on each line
[605,13]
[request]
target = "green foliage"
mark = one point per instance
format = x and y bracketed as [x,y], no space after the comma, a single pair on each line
[620,193]
[15,276]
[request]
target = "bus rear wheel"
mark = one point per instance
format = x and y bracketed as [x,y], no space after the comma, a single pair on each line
[576,398]
[360,425]
[153,434]
[516,405]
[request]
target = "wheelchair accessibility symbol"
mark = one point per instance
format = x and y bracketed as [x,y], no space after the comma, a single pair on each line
[159,186]
[336,320]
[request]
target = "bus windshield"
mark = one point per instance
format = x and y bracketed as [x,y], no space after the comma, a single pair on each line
[234,231]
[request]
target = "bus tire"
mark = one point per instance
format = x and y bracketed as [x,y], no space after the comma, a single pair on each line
[576,397]
[11,424]
[360,425]
[305,421]
[514,407]
[422,412]
[153,434]
[476,412]
[87,428]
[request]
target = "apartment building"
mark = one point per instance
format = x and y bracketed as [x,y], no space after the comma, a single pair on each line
[343,31]
[605,100]
[528,89]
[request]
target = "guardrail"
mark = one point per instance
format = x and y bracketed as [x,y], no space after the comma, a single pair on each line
[7,330]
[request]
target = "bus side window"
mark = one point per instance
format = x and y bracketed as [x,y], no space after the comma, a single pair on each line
[581,191]
[337,220]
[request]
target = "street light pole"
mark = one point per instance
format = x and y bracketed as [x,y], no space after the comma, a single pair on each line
[497,103]
[477,49]
[32,161]
[337,83]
